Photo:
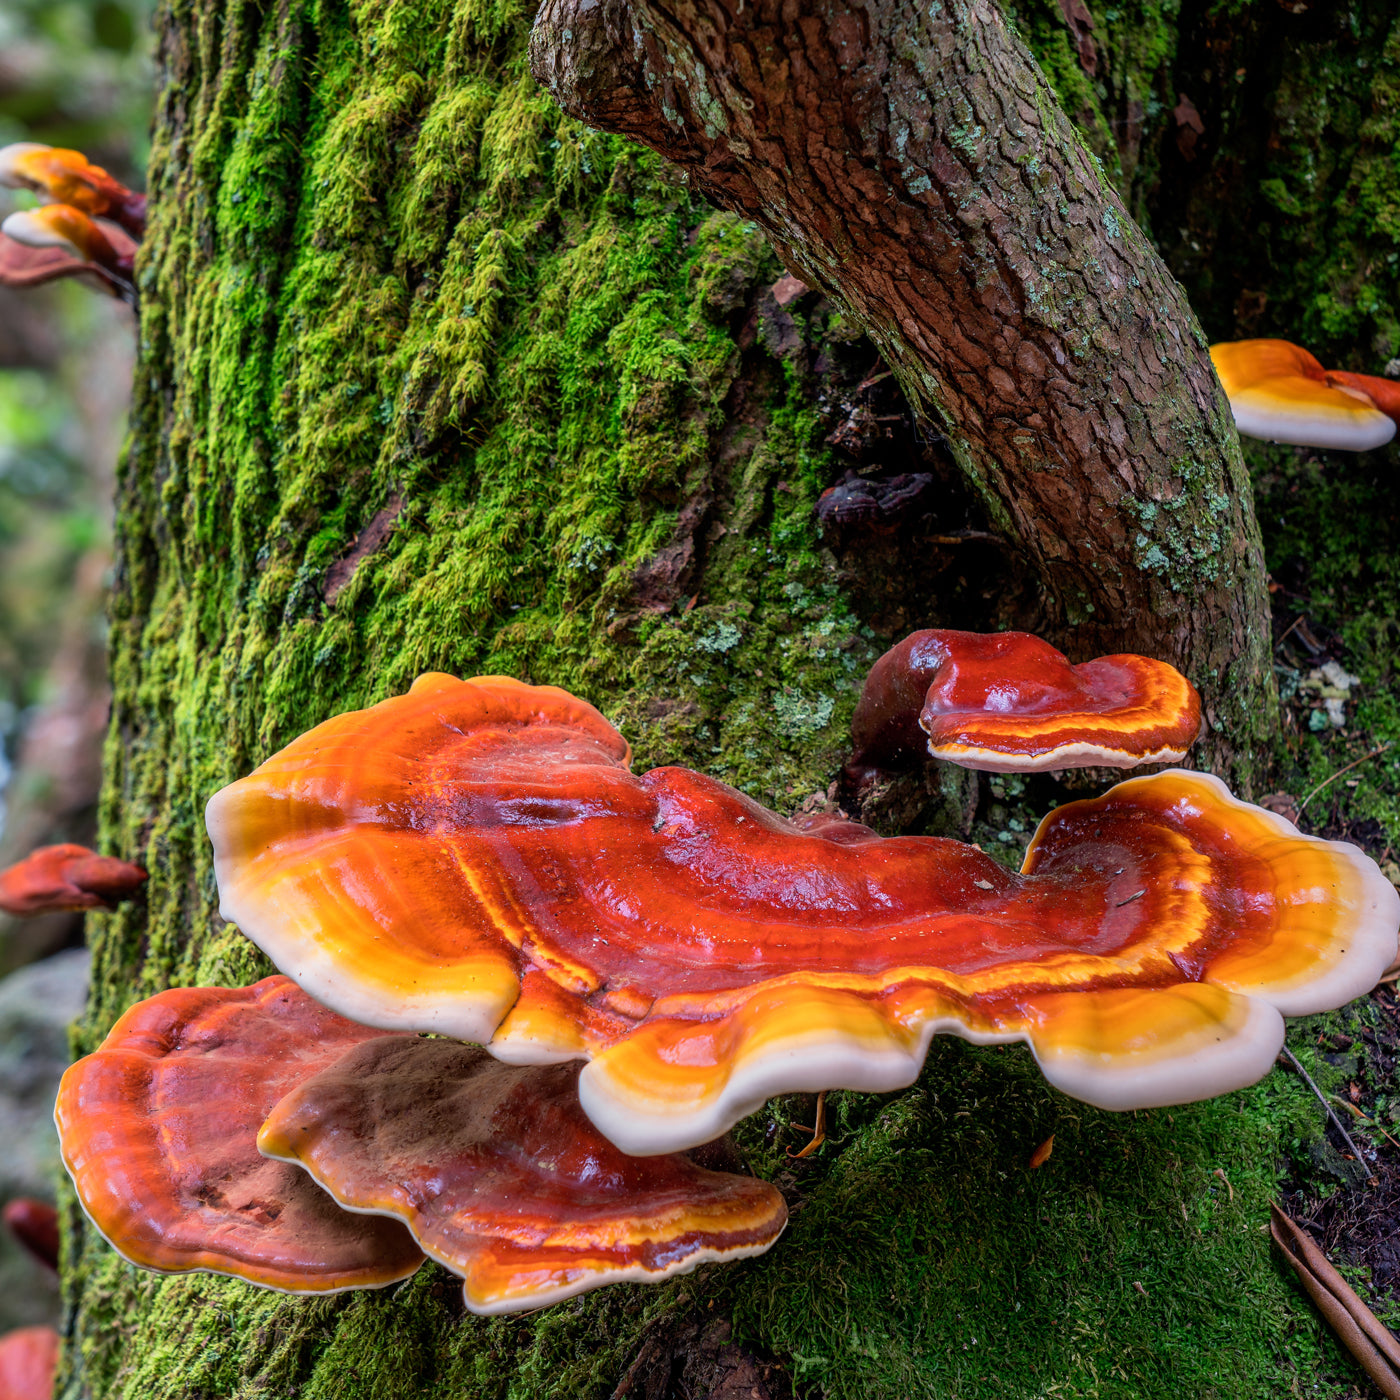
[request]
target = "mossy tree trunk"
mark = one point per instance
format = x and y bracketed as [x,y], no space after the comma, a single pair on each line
[433,376]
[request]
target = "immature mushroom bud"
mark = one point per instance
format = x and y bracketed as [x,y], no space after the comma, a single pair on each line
[475,858]
[1279,392]
[35,1225]
[28,1360]
[500,1176]
[71,231]
[68,177]
[1007,702]
[158,1129]
[67,877]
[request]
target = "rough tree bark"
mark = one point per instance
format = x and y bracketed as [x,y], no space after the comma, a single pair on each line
[913,163]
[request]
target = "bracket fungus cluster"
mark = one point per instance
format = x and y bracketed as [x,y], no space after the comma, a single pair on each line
[1009,702]
[1281,393]
[251,1132]
[88,227]
[477,859]
[56,878]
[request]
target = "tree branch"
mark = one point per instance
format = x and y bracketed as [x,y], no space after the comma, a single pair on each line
[913,162]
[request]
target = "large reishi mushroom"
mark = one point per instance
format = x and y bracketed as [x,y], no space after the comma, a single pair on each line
[500,1176]
[56,878]
[158,1129]
[1005,702]
[1281,393]
[476,858]
[68,177]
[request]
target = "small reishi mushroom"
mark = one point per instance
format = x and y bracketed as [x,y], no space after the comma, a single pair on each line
[68,177]
[35,1225]
[476,858]
[1281,393]
[21,266]
[158,1129]
[1008,702]
[28,1361]
[500,1176]
[106,252]
[55,878]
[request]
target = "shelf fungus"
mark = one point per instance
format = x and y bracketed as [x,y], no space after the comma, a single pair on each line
[28,1360]
[1281,393]
[61,240]
[500,1176]
[55,878]
[476,858]
[68,177]
[1005,702]
[158,1129]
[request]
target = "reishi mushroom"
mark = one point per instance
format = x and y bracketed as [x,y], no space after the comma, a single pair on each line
[55,878]
[106,252]
[35,1225]
[68,177]
[476,858]
[28,1360]
[158,1129]
[500,1176]
[1006,702]
[1281,393]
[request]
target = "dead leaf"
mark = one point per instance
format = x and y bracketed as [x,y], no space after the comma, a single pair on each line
[1041,1155]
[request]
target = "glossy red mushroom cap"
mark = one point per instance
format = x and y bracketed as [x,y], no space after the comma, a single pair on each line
[1281,393]
[1008,702]
[476,858]
[500,1176]
[35,1225]
[70,231]
[67,877]
[28,1361]
[158,1129]
[68,177]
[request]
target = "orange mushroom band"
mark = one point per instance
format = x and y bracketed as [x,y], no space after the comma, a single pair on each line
[104,252]
[476,858]
[500,1176]
[1006,702]
[68,177]
[158,1129]
[1281,393]
[56,878]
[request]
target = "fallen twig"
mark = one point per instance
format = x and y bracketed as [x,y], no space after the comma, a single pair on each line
[1322,1099]
[1360,1330]
[1326,782]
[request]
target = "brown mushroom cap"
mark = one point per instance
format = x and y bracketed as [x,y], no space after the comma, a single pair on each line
[67,877]
[158,1129]
[28,1360]
[1006,702]
[476,858]
[501,1177]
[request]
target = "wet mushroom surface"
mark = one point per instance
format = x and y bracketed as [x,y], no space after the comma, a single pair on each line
[476,858]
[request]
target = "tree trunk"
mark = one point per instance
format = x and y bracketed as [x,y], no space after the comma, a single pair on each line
[432,377]
[914,163]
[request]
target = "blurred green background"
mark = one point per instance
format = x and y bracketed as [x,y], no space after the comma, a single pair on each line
[74,73]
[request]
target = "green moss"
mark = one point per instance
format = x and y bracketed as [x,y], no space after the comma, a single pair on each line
[383,267]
